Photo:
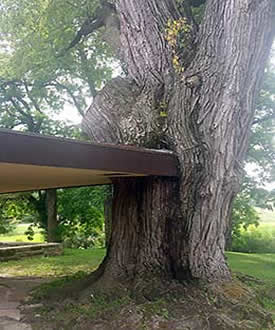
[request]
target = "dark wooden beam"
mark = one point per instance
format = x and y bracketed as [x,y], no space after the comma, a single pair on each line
[32,162]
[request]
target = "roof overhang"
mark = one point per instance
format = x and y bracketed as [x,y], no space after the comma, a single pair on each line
[34,162]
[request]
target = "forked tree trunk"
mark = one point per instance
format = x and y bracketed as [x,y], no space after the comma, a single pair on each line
[51,200]
[201,109]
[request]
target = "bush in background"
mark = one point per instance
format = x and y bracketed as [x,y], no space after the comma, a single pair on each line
[254,240]
[81,217]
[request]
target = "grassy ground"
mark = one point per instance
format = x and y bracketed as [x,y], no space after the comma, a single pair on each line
[18,235]
[73,261]
[79,262]
[261,266]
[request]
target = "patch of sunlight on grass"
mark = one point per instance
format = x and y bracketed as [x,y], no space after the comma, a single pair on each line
[258,265]
[73,261]
[37,238]
[267,227]
[18,235]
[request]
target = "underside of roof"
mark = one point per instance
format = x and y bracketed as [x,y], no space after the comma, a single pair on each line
[33,162]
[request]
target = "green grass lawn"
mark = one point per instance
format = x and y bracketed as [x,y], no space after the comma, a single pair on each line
[258,265]
[18,235]
[73,261]
[261,266]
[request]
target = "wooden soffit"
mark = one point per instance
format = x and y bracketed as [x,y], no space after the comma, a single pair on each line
[34,162]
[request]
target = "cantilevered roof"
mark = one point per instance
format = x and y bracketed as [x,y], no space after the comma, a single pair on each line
[33,162]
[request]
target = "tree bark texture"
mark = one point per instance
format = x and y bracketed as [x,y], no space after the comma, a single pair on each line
[202,112]
[51,200]
[228,235]
[108,218]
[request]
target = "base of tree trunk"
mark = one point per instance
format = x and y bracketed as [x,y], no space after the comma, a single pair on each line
[150,238]
[155,304]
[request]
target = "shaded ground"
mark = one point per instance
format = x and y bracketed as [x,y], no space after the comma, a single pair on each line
[170,306]
[13,291]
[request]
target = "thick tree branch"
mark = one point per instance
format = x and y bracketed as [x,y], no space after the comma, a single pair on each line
[18,108]
[20,121]
[32,200]
[28,92]
[85,67]
[71,94]
[6,83]
[28,119]
[93,23]
[15,83]
[61,86]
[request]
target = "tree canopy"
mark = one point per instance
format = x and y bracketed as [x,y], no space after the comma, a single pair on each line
[34,61]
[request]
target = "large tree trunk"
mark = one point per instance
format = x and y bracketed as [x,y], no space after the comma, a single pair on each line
[108,217]
[143,215]
[228,235]
[200,108]
[51,200]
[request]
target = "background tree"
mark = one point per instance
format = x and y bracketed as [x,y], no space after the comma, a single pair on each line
[34,90]
[261,150]
[24,106]
[35,35]
[10,212]
[81,216]
[243,213]
[261,155]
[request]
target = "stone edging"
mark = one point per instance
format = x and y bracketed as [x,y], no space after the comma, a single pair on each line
[19,251]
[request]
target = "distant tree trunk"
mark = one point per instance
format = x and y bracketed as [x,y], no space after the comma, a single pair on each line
[39,204]
[51,201]
[195,98]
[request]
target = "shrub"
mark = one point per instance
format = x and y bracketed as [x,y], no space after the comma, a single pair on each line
[80,237]
[6,225]
[254,240]
[81,217]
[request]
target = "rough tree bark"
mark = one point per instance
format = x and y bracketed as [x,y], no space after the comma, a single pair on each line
[200,106]
[108,217]
[51,200]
